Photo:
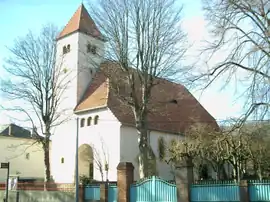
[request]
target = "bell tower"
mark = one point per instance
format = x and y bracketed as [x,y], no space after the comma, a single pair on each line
[80,50]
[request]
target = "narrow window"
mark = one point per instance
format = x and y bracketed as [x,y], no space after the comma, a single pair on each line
[89,121]
[68,48]
[96,120]
[64,50]
[62,160]
[27,156]
[82,122]
[91,171]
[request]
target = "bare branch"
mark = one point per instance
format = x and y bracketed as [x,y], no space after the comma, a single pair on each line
[240,30]
[38,81]
[146,42]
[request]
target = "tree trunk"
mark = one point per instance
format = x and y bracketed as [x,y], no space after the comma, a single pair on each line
[102,177]
[224,173]
[218,172]
[107,175]
[143,156]
[46,149]
[259,172]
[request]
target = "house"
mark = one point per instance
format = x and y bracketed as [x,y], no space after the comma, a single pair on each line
[20,149]
[105,124]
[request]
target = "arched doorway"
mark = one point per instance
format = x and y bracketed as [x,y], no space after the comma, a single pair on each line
[85,157]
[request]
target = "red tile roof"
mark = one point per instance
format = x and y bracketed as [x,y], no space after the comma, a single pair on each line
[172,107]
[82,22]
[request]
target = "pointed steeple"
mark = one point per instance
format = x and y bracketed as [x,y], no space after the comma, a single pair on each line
[81,22]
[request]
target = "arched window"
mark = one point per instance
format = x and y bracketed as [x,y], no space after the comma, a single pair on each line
[68,48]
[161,148]
[96,120]
[89,121]
[82,122]
[91,171]
[64,50]
[62,160]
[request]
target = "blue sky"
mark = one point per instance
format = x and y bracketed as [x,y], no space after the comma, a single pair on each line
[20,16]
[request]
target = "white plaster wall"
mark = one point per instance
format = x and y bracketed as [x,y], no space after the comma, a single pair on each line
[65,129]
[107,130]
[63,145]
[77,64]
[87,62]
[129,149]
[14,150]
[69,63]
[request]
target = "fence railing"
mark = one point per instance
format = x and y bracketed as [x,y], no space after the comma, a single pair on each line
[229,191]
[210,191]
[215,191]
[259,190]
[92,192]
[112,193]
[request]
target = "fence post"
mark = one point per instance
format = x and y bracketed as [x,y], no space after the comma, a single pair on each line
[125,178]
[104,192]
[243,191]
[184,177]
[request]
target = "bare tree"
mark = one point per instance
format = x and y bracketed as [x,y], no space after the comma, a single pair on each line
[37,83]
[101,160]
[259,151]
[146,41]
[241,31]
[210,148]
[185,147]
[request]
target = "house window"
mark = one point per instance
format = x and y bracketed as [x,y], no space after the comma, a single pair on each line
[62,160]
[96,120]
[27,156]
[89,121]
[91,49]
[82,122]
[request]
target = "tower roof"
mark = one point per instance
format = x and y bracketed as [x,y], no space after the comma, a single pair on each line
[82,22]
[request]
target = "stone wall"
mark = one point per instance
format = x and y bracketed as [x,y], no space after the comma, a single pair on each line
[36,196]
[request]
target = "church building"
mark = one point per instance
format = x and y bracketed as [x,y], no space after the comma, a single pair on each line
[107,134]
